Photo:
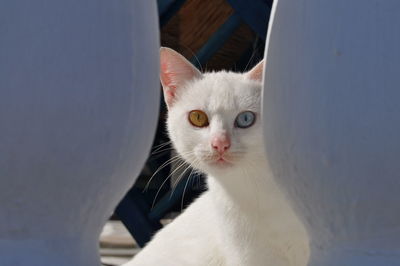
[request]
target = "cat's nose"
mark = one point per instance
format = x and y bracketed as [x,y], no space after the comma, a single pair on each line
[221,143]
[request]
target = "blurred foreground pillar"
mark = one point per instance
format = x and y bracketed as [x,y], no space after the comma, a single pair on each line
[79,95]
[332,124]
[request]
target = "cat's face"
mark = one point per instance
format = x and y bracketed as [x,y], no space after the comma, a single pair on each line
[214,119]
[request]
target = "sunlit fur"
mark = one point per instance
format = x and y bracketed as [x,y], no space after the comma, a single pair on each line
[243,219]
[216,94]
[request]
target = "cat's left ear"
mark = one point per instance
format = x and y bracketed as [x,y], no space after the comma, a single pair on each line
[256,72]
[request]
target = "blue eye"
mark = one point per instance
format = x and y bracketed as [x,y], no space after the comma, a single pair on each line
[245,119]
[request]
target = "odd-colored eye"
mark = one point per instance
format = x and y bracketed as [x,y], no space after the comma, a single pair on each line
[198,118]
[245,119]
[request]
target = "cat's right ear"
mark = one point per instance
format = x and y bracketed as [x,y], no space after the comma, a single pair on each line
[175,72]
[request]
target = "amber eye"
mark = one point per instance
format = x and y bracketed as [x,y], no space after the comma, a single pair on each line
[198,118]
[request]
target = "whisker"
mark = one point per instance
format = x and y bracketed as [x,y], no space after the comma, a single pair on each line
[169,161]
[178,180]
[157,147]
[184,189]
[162,150]
[192,165]
[163,144]
[163,183]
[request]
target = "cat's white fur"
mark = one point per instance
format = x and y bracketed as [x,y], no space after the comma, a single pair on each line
[243,219]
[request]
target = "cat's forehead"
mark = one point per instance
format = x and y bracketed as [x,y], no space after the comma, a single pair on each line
[222,91]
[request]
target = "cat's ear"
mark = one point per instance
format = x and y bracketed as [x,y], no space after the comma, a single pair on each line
[256,72]
[175,71]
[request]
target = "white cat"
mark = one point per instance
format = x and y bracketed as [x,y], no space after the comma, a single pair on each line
[243,219]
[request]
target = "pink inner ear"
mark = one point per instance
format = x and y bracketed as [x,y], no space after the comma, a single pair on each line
[175,71]
[257,72]
[166,78]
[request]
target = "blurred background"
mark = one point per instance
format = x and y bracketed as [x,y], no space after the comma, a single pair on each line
[213,35]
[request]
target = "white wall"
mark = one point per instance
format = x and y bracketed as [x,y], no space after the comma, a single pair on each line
[79,95]
[332,124]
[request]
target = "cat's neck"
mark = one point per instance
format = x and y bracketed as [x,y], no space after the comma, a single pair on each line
[249,189]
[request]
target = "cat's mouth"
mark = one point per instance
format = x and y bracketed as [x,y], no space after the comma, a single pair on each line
[221,161]
[217,160]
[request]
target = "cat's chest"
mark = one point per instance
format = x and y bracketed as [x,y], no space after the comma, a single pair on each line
[260,237]
[239,220]
[257,219]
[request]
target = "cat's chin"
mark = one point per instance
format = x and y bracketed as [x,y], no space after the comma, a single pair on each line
[221,163]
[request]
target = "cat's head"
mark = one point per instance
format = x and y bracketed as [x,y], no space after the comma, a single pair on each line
[213,118]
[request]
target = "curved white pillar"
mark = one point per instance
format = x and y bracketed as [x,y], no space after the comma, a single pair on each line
[79,95]
[332,124]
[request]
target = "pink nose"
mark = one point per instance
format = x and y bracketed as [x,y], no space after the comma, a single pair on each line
[221,143]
